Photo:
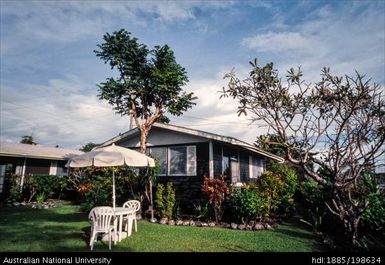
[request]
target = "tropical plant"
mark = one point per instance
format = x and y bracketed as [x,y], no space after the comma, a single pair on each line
[344,117]
[216,190]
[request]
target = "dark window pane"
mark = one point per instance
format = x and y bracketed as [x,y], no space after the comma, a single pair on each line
[160,154]
[37,166]
[61,170]
[217,157]
[178,160]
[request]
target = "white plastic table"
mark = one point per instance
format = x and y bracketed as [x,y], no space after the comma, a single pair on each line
[120,212]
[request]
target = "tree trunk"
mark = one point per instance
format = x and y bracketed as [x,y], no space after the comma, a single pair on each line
[143,146]
[351,225]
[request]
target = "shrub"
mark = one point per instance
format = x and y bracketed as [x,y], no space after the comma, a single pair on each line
[165,201]
[374,215]
[270,187]
[94,185]
[216,190]
[170,201]
[45,185]
[159,200]
[245,204]
[313,198]
[277,188]
[12,191]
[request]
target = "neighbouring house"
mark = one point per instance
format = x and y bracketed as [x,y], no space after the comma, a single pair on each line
[26,159]
[187,155]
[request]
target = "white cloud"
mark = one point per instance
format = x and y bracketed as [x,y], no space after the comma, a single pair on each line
[348,41]
[276,42]
[216,115]
[57,114]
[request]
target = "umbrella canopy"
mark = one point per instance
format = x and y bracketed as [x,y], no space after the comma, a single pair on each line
[111,156]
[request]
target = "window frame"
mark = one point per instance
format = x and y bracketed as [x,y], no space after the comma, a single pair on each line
[169,158]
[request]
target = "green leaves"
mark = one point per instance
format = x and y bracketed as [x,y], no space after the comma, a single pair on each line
[148,79]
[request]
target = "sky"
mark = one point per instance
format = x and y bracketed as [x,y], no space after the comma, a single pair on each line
[49,72]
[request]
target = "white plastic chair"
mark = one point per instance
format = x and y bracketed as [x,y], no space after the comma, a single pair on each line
[102,218]
[136,206]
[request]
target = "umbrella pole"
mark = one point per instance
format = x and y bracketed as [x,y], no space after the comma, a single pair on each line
[113,188]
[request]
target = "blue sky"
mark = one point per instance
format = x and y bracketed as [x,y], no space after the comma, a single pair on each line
[49,71]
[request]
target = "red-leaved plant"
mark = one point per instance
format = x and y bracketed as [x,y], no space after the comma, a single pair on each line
[216,190]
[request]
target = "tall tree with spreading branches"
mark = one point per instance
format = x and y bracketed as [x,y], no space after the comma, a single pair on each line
[337,123]
[149,84]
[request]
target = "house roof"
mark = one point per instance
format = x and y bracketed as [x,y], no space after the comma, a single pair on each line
[36,151]
[203,134]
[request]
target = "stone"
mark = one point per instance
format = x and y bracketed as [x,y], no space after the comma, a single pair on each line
[241,227]
[33,206]
[225,225]
[268,227]
[153,220]
[16,204]
[234,226]
[163,221]
[211,224]
[252,223]
[258,226]
[186,223]
[179,222]
[23,203]
[198,223]
[204,224]
[192,223]
[171,222]
[139,217]
[45,206]
[249,227]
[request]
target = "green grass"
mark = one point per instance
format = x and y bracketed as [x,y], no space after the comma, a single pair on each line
[66,229]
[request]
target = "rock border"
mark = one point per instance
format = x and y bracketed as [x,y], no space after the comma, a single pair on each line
[250,226]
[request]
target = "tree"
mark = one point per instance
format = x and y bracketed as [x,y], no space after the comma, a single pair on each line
[149,84]
[88,147]
[271,143]
[27,139]
[337,123]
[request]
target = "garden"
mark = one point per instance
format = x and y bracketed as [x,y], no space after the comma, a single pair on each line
[280,211]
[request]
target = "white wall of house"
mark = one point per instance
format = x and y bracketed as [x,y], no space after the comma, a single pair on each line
[159,136]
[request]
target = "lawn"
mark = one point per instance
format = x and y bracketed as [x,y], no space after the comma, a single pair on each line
[66,229]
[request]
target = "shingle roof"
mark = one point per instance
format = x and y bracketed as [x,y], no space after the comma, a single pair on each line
[36,151]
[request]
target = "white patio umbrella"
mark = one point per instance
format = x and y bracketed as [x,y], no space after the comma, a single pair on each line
[111,156]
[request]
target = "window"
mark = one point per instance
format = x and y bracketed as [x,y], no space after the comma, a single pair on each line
[176,160]
[256,165]
[61,169]
[160,154]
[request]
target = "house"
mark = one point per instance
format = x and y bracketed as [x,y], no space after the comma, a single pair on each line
[26,159]
[187,155]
